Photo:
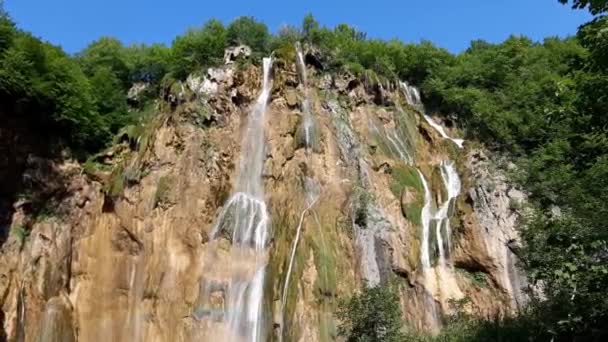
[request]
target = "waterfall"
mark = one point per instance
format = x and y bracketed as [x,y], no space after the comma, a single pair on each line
[442,216]
[395,142]
[412,96]
[311,187]
[425,219]
[245,216]
[307,120]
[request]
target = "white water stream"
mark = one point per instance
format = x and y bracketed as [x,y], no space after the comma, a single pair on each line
[412,96]
[245,216]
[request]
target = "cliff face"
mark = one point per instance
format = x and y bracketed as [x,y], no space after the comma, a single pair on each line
[126,249]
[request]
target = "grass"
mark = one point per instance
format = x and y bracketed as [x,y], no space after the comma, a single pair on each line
[325,262]
[115,185]
[407,178]
[328,331]
[163,191]
[20,232]
[478,278]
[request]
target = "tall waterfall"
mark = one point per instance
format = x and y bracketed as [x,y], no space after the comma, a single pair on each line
[246,218]
[412,96]
[310,185]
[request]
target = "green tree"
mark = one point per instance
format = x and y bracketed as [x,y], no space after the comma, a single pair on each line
[106,52]
[309,26]
[109,98]
[7,29]
[147,63]
[198,48]
[594,6]
[372,315]
[248,31]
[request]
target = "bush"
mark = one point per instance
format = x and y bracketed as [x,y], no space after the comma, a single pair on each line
[372,315]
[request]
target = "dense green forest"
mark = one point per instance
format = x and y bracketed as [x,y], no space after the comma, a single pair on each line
[543,104]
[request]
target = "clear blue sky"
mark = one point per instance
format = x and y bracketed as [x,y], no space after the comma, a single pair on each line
[448,23]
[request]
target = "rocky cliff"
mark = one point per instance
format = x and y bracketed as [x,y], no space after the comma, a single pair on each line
[366,186]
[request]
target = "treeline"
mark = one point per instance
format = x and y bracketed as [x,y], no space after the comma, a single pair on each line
[81,100]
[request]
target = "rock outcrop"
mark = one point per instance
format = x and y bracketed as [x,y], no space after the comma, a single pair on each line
[118,249]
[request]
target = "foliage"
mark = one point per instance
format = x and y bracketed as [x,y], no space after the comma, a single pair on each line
[594,6]
[198,48]
[372,315]
[248,31]
[569,257]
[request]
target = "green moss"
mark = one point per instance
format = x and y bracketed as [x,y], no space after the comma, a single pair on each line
[405,176]
[91,167]
[20,232]
[407,129]
[328,330]
[286,52]
[284,228]
[163,191]
[478,278]
[413,213]
[325,262]
[115,185]
[355,68]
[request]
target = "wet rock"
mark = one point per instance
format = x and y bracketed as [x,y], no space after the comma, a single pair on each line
[57,321]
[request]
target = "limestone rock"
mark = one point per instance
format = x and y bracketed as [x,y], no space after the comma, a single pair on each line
[233,53]
[133,95]
[291,98]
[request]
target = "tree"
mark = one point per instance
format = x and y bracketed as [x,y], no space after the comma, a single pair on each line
[372,315]
[248,31]
[147,63]
[7,29]
[106,52]
[594,6]
[309,26]
[198,48]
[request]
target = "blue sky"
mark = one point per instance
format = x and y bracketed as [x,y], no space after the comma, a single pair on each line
[448,23]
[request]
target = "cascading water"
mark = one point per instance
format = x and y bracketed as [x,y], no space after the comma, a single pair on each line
[395,143]
[425,259]
[245,217]
[310,185]
[452,184]
[441,217]
[425,220]
[307,121]
[412,96]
